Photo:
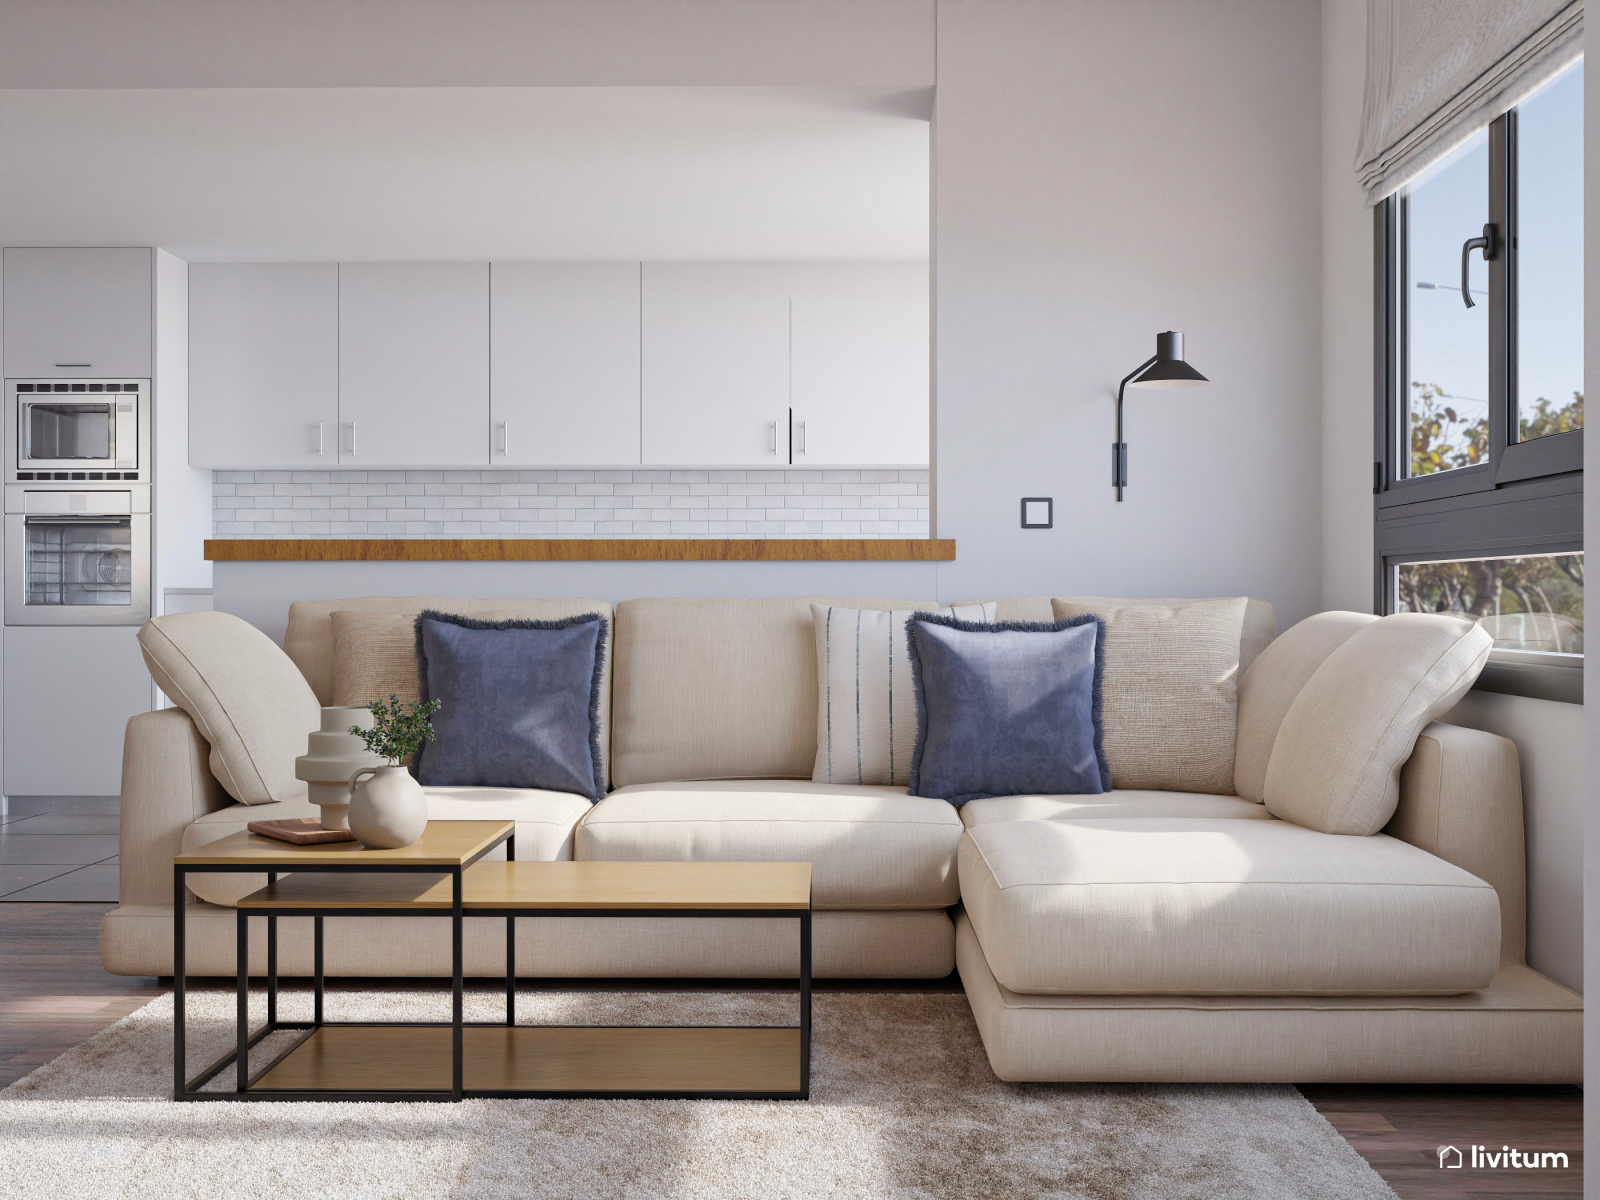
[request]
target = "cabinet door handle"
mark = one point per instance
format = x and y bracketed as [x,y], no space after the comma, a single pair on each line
[352,438]
[505,437]
[74,364]
[773,448]
[319,438]
[802,430]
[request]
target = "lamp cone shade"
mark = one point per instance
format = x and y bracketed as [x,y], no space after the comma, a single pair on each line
[1169,370]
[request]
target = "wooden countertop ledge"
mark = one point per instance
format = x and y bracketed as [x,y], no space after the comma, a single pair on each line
[580,549]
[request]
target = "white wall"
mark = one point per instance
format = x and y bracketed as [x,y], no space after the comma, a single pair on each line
[1104,172]
[464,43]
[182,493]
[1347,334]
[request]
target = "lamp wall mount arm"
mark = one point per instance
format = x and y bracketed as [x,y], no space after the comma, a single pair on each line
[1119,448]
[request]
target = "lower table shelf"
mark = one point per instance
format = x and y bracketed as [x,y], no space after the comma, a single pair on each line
[545,1060]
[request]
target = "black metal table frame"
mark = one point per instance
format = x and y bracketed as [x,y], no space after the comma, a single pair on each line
[190,1088]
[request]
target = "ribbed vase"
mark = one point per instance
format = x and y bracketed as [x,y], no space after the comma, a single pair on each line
[333,754]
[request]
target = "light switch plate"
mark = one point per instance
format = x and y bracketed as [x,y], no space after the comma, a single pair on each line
[1038,512]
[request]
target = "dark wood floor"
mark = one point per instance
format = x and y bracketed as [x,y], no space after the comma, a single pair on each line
[54,994]
[53,991]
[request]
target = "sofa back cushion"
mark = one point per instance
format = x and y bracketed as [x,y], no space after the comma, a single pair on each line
[374,657]
[1260,623]
[310,640]
[243,693]
[1269,687]
[1335,764]
[719,689]
[1169,689]
[866,696]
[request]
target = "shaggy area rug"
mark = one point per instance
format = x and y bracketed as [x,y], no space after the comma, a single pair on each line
[903,1105]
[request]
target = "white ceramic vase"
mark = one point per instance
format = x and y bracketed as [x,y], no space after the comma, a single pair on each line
[332,754]
[388,810]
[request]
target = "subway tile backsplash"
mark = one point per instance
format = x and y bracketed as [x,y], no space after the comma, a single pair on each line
[623,503]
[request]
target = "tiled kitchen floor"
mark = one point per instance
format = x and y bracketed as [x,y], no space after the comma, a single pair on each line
[59,848]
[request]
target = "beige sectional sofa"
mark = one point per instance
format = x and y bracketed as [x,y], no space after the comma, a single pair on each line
[1134,935]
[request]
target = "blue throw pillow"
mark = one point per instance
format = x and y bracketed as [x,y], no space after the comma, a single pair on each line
[1007,709]
[519,702]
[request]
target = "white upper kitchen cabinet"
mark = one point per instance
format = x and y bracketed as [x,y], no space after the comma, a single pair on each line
[564,364]
[716,364]
[78,312]
[414,364]
[859,370]
[263,364]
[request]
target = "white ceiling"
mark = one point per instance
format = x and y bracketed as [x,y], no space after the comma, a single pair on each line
[469,173]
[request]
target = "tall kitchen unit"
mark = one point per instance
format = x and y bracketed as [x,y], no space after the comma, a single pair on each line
[82,394]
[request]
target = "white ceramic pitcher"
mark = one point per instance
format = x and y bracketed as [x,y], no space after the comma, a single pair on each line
[389,810]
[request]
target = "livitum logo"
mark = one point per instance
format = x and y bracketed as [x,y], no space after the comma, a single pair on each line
[1483,1157]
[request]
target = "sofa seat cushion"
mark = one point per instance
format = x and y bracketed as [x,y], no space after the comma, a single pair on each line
[545,821]
[1120,802]
[1199,906]
[869,847]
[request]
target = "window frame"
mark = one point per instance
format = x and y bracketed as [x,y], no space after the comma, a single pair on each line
[1526,499]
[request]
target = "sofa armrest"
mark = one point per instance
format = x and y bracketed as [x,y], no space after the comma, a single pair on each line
[1461,799]
[166,784]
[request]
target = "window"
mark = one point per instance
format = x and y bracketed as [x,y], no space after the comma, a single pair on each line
[1446,364]
[1531,605]
[1479,465]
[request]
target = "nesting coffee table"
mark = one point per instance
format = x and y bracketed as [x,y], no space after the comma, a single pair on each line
[442,876]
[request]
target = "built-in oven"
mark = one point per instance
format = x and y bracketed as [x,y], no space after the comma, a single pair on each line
[77,557]
[78,430]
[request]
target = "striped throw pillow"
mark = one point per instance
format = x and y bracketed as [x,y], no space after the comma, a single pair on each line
[866,704]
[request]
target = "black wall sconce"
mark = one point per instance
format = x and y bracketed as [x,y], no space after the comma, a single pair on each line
[1164,369]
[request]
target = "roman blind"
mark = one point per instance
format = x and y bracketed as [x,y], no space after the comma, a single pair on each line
[1440,70]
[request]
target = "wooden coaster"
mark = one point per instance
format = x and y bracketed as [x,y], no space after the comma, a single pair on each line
[302,831]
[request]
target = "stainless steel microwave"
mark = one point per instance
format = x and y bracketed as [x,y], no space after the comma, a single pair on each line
[78,430]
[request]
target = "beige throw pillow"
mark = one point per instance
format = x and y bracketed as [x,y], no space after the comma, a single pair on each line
[247,698]
[1335,764]
[866,697]
[1168,691]
[1271,683]
[374,657]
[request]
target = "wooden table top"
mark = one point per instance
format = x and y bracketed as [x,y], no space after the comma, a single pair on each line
[580,549]
[443,844]
[575,885]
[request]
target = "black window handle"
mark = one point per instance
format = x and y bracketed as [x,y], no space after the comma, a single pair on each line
[1489,243]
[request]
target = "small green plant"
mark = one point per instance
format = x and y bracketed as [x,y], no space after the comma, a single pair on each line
[399,729]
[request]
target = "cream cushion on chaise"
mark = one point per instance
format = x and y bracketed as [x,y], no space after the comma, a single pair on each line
[1337,757]
[1199,906]
[1119,802]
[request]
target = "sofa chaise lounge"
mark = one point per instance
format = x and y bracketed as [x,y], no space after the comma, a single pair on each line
[1132,935]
